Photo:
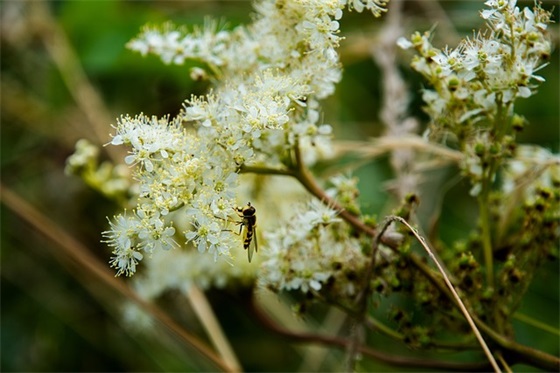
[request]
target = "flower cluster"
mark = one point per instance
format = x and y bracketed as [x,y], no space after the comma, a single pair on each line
[517,188]
[476,84]
[268,79]
[310,253]
[112,181]
[490,69]
[175,169]
[254,134]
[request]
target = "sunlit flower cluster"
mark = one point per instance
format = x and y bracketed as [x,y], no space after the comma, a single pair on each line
[268,78]
[489,69]
[476,84]
[309,253]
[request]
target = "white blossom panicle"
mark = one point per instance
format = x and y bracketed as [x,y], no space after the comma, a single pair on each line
[476,84]
[268,78]
[174,46]
[151,139]
[308,253]
[123,238]
[490,69]
[177,169]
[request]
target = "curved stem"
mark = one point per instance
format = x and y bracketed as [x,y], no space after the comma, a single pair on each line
[79,255]
[308,181]
[302,174]
[343,343]
[72,73]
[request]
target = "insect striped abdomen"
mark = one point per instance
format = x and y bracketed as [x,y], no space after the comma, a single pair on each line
[249,225]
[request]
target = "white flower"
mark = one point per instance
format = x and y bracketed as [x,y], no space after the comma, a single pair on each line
[493,68]
[206,233]
[153,234]
[123,237]
[404,43]
[125,261]
[377,7]
[320,214]
[150,138]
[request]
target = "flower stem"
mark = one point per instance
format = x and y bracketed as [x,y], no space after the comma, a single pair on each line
[486,239]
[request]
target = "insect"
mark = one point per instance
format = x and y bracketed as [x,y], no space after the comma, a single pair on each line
[248,224]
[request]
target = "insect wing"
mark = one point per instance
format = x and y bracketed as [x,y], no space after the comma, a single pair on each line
[249,239]
[253,247]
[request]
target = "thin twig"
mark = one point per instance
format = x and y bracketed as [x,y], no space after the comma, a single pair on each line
[385,144]
[65,59]
[342,343]
[206,315]
[516,352]
[504,363]
[82,258]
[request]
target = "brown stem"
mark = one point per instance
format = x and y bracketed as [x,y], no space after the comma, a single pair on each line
[72,73]
[308,181]
[343,343]
[81,258]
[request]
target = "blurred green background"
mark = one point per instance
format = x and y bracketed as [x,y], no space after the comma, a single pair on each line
[53,318]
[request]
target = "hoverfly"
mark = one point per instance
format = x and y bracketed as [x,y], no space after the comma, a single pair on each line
[248,224]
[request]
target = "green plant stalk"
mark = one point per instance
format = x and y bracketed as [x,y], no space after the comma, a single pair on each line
[536,323]
[500,130]
[486,239]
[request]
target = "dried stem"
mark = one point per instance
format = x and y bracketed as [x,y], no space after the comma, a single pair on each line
[80,256]
[385,144]
[65,59]
[206,315]
[460,303]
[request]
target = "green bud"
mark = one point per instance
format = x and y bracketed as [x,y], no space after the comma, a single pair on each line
[453,83]
[479,149]
[495,149]
[518,122]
